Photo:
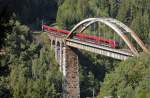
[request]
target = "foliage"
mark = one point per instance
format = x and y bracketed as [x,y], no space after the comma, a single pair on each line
[28,68]
[134,13]
[93,68]
[31,69]
[71,12]
[129,80]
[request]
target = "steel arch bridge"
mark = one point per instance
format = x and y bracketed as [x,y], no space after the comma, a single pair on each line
[73,38]
[119,28]
[62,40]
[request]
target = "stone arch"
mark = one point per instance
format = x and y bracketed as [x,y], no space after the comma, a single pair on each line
[58,43]
[53,42]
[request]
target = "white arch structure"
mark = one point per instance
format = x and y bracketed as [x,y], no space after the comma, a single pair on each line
[117,26]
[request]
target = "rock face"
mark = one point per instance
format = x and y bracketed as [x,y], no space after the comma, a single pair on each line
[4,6]
[31,12]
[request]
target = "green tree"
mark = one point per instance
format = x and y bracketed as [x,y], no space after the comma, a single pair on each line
[31,66]
[129,80]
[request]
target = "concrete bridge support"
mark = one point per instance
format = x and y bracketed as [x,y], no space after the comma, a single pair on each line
[68,62]
[71,74]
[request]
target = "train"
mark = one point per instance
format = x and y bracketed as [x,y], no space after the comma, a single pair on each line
[106,42]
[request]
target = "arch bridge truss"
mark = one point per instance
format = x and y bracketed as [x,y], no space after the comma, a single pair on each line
[118,27]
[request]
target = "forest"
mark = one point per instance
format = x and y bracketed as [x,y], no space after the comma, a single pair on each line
[28,68]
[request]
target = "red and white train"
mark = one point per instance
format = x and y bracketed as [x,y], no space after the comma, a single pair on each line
[107,42]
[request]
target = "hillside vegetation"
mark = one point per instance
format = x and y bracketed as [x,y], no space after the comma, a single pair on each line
[29,70]
[131,79]
[135,14]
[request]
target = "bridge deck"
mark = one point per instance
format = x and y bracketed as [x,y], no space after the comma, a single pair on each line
[106,51]
[103,50]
